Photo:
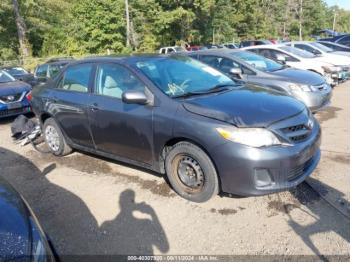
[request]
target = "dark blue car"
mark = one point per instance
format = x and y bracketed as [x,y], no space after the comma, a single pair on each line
[14,96]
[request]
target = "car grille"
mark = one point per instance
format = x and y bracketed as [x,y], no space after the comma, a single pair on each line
[297,133]
[298,171]
[17,111]
[12,98]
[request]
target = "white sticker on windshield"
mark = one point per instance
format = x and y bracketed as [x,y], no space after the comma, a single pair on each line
[211,71]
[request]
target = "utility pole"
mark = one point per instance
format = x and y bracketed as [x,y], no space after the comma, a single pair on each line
[127,23]
[334,19]
[301,20]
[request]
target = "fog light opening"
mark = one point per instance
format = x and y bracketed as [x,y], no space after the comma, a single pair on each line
[263,178]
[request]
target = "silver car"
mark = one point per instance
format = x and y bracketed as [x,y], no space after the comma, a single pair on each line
[306,86]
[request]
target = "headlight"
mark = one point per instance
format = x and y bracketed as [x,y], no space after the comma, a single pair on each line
[332,69]
[305,88]
[254,137]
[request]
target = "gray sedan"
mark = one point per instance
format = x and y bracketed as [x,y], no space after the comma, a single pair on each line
[306,86]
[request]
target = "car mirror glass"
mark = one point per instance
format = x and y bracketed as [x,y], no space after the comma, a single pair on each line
[236,72]
[134,97]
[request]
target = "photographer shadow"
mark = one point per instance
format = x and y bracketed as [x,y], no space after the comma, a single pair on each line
[70,224]
[135,230]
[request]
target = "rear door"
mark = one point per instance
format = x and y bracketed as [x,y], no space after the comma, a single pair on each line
[69,103]
[124,130]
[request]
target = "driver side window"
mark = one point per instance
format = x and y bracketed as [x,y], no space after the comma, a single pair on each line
[113,79]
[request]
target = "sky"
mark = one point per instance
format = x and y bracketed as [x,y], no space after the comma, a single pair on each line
[341,3]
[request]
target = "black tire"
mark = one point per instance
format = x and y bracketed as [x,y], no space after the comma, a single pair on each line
[201,172]
[61,148]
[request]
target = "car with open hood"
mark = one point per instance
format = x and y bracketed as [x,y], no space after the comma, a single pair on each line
[14,96]
[21,236]
[177,116]
[308,87]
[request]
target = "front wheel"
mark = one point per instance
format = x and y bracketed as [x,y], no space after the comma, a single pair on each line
[191,172]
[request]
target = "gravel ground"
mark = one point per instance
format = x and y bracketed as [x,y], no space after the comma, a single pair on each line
[89,205]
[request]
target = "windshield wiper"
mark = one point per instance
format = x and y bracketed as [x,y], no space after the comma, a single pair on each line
[214,89]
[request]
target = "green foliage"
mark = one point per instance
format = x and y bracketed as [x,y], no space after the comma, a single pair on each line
[80,27]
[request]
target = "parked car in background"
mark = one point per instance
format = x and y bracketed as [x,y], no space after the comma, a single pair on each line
[171,49]
[231,45]
[14,96]
[335,46]
[306,86]
[195,48]
[21,74]
[254,42]
[342,39]
[50,69]
[299,59]
[151,111]
[324,54]
[21,236]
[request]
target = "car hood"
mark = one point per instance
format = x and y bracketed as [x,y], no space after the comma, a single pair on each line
[342,53]
[299,76]
[333,59]
[248,106]
[14,223]
[15,87]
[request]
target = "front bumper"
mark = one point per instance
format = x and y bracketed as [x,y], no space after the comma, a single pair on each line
[315,101]
[240,166]
[20,108]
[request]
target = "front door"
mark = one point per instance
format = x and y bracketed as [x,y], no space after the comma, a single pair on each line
[124,130]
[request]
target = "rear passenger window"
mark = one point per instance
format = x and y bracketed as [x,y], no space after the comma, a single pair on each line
[112,80]
[76,78]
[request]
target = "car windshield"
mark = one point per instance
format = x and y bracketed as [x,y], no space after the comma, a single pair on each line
[16,71]
[322,47]
[5,77]
[259,62]
[179,75]
[297,52]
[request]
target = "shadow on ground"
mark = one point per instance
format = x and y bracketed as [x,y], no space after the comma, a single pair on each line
[68,221]
[327,219]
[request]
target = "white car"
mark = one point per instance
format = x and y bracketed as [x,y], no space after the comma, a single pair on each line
[299,59]
[171,49]
[322,54]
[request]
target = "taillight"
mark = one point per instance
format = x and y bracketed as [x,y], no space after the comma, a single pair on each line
[29,96]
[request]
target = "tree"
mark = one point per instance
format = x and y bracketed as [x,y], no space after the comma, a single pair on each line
[21,31]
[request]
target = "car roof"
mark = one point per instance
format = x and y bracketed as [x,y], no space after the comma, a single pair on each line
[272,46]
[122,58]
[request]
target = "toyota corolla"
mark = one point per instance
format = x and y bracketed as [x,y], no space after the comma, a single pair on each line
[182,118]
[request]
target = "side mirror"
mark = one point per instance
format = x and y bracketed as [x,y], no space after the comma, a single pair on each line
[134,97]
[236,72]
[280,58]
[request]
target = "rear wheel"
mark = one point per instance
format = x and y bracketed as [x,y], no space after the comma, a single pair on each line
[191,172]
[55,139]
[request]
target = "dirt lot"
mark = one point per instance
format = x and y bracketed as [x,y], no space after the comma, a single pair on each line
[91,205]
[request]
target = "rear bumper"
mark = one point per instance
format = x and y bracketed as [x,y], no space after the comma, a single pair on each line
[241,168]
